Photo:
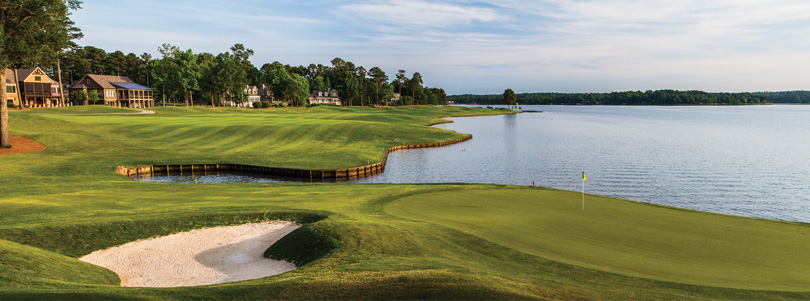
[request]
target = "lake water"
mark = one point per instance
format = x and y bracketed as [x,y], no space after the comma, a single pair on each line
[749,161]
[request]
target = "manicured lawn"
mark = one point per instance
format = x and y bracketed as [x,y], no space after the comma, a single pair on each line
[378,241]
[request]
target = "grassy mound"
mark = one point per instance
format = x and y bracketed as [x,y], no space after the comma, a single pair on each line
[380,241]
[24,267]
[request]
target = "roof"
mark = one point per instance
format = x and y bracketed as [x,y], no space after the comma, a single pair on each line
[130,86]
[328,93]
[22,74]
[9,77]
[105,81]
[96,81]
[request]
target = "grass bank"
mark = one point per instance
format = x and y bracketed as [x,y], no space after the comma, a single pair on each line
[447,241]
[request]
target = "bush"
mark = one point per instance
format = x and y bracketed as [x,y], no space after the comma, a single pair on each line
[266,104]
[283,104]
[256,104]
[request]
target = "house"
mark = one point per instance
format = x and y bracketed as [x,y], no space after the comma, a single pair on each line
[252,94]
[396,98]
[118,91]
[265,93]
[11,89]
[38,89]
[324,97]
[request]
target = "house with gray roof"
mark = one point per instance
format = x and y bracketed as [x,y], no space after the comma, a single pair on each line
[329,96]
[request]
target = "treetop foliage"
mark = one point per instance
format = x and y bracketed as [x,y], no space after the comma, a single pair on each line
[184,75]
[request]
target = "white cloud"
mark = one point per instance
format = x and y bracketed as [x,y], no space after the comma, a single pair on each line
[543,45]
[419,13]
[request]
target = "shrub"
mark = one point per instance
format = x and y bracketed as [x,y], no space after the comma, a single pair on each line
[283,104]
[266,104]
[256,104]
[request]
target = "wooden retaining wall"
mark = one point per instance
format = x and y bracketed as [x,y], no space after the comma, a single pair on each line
[356,172]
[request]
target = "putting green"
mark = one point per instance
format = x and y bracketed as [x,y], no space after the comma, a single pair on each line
[626,237]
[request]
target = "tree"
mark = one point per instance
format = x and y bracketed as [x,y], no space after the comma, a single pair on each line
[228,76]
[378,76]
[415,84]
[317,84]
[208,81]
[93,96]
[300,89]
[401,80]
[349,90]
[240,52]
[78,97]
[32,32]
[146,58]
[189,74]
[96,57]
[113,62]
[509,97]
[361,79]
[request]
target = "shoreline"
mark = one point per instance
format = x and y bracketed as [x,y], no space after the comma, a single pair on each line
[343,173]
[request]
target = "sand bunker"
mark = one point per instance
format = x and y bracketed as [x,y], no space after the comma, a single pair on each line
[197,257]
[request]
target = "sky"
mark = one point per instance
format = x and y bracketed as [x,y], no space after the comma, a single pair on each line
[487,46]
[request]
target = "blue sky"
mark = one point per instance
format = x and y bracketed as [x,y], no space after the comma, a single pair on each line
[484,47]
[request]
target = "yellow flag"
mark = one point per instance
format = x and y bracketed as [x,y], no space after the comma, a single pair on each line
[583,177]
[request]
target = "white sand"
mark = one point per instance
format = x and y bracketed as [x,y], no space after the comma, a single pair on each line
[197,257]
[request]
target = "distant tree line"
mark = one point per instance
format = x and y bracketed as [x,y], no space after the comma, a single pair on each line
[788,96]
[659,97]
[185,76]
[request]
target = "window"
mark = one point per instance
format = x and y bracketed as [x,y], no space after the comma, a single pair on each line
[110,93]
[10,89]
[37,78]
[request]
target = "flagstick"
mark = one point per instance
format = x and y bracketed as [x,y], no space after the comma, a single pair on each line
[583,190]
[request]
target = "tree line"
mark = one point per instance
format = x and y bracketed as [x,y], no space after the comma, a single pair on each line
[189,77]
[788,96]
[658,97]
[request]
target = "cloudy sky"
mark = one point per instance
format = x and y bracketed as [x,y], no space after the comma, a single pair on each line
[486,46]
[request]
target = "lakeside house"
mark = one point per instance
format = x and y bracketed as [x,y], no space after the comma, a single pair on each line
[324,97]
[38,89]
[118,91]
[252,93]
[265,94]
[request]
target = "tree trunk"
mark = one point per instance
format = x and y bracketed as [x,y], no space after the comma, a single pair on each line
[17,89]
[191,97]
[61,93]
[5,140]
[212,101]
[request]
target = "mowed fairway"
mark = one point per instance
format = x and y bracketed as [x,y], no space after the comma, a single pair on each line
[379,241]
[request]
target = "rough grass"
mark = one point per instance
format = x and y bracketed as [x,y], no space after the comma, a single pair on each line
[378,241]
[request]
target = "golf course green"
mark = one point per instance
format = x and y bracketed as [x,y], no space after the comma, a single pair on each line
[359,241]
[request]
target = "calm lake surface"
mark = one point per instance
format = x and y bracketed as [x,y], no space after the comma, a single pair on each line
[749,161]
